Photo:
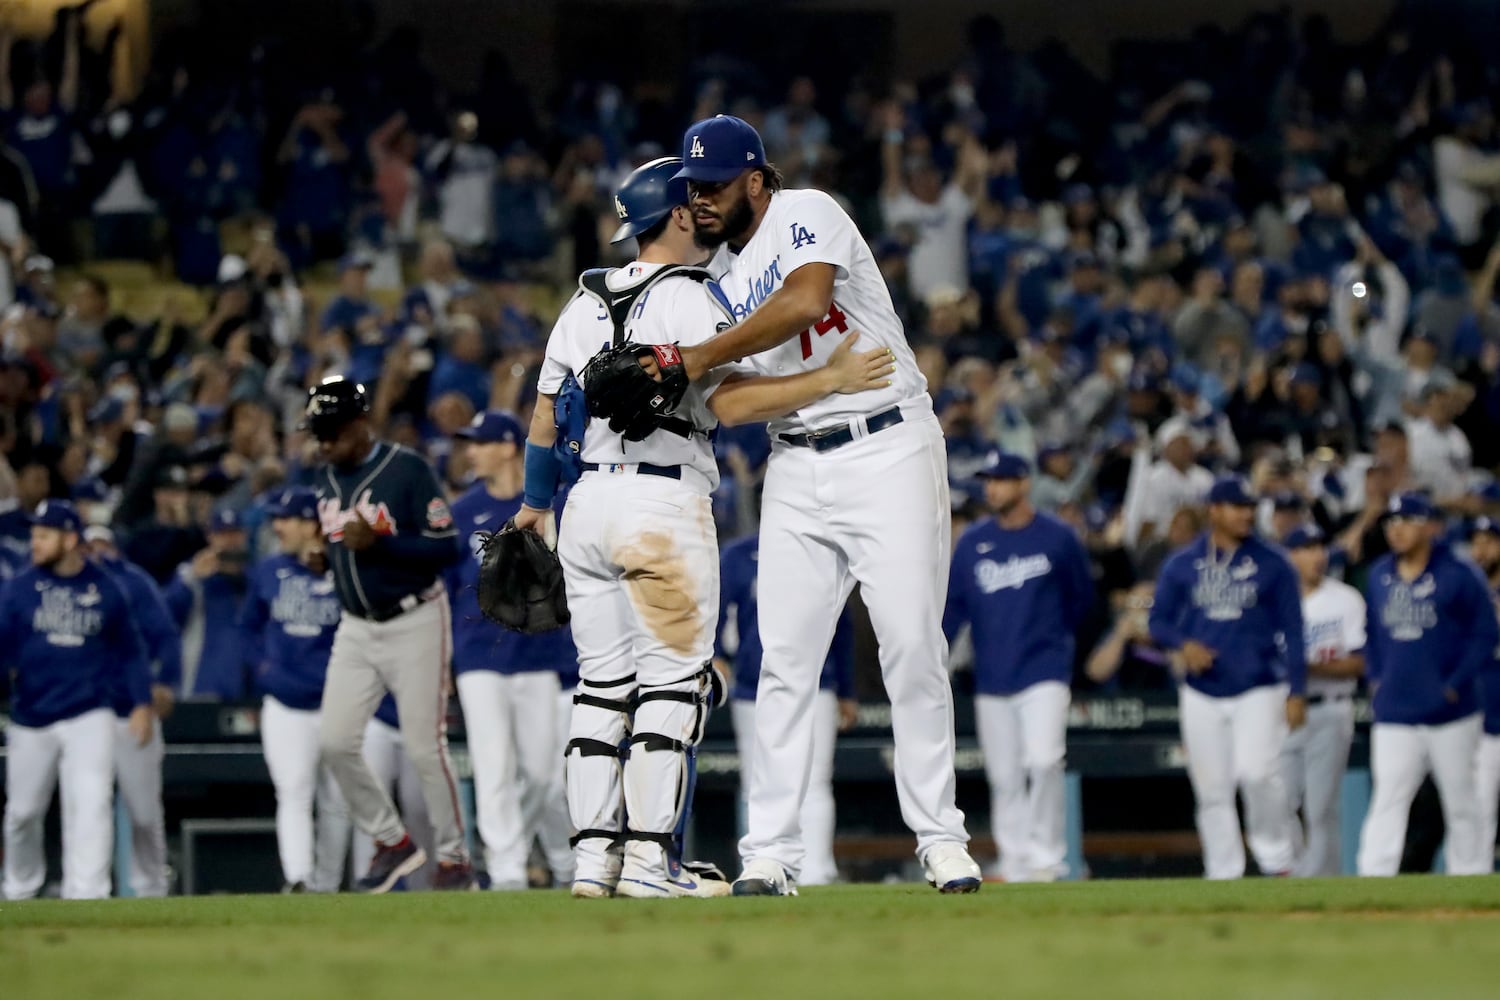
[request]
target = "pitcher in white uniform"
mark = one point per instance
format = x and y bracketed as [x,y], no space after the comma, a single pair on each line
[1314,757]
[856,490]
[639,550]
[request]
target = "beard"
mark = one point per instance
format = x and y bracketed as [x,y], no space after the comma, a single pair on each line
[734,224]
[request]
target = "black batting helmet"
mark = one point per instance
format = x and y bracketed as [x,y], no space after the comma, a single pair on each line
[331,405]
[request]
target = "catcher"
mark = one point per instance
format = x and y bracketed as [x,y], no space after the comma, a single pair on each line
[637,541]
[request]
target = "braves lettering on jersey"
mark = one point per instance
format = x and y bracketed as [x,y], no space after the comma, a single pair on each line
[396,491]
[291,614]
[153,619]
[478,643]
[739,614]
[1429,639]
[1024,592]
[809,227]
[1333,627]
[1245,605]
[72,646]
[678,310]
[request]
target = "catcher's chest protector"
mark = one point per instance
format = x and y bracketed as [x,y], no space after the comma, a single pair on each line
[619,302]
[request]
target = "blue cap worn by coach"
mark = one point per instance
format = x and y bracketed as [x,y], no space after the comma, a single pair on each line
[492,427]
[225,519]
[57,514]
[1484,525]
[719,149]
[1231,490]
[1002,465]
[1412,506]
[297,502]
[1304,536]
[647,196]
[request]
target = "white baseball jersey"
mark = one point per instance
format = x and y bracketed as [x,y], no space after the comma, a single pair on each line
[674,311]
[1333,623]
[809,227]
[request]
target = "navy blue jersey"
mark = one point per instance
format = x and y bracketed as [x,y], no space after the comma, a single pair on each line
[71,645]
[291,614]
[739,569]
[1489,683]
[1245,605]
[398,494]
[216,651]
[153,620]
[1428,639]
[478,643]
[1024,593]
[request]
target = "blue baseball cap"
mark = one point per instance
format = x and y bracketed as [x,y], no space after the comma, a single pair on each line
[225,519]
[1003,465]
[1485,525]
[298,502]
[1304,536]
[492,427]
[1288,500]
[719,149]
[59,514]
[1231,490]
[1412,506]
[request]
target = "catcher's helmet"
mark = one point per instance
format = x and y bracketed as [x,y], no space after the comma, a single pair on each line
[647,195]
[331,404]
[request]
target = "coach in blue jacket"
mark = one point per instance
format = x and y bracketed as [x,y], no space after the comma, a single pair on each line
[1432,630]
[1021,579]
[1229,606]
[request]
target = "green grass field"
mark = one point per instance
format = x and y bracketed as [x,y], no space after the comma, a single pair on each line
[1404,938]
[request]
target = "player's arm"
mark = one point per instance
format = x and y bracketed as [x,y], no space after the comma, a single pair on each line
[1078,581]
[163,641]
[1479,627]
[1373,661]
[435,543]
[1286,606]
[543,467]
[802,300]
[728,599]
[1340,668]
[749,399]
[130,669]
[956,610]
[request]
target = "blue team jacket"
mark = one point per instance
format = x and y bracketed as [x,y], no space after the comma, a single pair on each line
[158,631]
[227,654]
[72,646]
[478,643]
[290,615]
[1024,592]
[1427,638]
[1489,686]
[1247,608]
[739,566]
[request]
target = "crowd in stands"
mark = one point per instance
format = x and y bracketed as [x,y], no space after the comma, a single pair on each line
[1257,249]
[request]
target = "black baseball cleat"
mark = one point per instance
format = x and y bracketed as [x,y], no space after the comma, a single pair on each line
[455,876]
[391,863]
[764,878]
[294,888]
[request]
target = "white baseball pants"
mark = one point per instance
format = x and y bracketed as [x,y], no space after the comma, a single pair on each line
[511,724]
[1313,761]
[818,817]
[874,511]
[1400,758]
[1488,774]
[1235,743]
[79,755]
[556,828]
[1024,738]
[312,850]
[138,779]
[385,755]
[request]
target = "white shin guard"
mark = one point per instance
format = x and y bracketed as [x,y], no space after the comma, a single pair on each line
[660,773]
[600,721]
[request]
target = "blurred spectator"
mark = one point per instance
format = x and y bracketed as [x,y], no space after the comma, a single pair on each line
[316,166]
[205,597]
[463,170]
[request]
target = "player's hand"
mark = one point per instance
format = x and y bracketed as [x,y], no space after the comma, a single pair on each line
[314,556]
[540,522]
[1196,657]
[142,722]
[358,535]
[851,372]
[205,564]
[1296,712]
[848,714]
[162,700]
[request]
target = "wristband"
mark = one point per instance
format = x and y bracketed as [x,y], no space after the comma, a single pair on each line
[542,471]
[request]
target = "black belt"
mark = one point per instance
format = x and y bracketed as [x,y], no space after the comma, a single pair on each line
[641,469]
[408,603]
[1318,699]
[837,437]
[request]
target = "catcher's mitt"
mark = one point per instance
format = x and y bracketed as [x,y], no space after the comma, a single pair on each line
[619,390]
[521,582]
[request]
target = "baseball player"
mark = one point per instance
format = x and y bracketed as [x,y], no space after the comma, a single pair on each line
[291,612]
[1431,633]
[205,597]
[138,766]
[1022,580]
[1315,756]
[507,681]
[388,761]
[856,490]
[738,653]
[1229,606]
[638,546]
[1484,548]
[66,634]
[390,536]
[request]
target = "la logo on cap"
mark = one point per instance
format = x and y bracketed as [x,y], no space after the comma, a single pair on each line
[695,151]
[620,207]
